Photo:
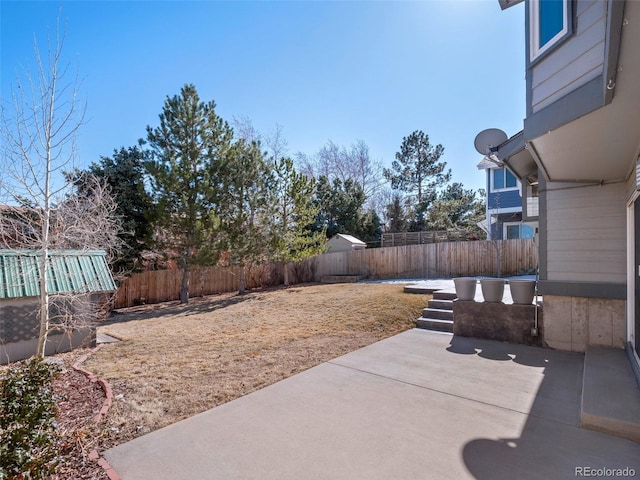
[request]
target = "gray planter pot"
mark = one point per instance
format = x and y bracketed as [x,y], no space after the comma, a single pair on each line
[465,288]
[522,291]
[492,289]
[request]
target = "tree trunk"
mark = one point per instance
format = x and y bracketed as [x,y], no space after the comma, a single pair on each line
[184,288]
[286,274]
[243,281]
[44,306]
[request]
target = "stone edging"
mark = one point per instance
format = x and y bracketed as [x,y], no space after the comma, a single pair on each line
[108,392]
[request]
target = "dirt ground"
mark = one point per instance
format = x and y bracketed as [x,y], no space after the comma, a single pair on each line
[173,361]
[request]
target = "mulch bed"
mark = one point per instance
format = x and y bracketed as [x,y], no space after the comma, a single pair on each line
[79,401]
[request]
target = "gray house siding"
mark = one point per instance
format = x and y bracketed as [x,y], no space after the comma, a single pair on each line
[574,63]
[586,233]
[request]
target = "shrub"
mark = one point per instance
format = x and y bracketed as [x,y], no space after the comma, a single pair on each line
[27,421]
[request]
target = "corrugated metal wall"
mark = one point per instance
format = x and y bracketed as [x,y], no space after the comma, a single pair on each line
[70,271]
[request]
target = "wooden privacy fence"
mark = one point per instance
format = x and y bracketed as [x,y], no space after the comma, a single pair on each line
[436,260]
[164,285]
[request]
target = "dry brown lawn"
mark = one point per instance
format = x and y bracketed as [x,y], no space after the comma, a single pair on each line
[174,361]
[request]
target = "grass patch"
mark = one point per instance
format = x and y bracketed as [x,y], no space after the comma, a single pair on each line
[175,361]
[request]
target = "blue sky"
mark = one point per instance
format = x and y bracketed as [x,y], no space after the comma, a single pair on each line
[340,71]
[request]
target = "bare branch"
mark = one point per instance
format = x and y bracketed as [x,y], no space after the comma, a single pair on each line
[40,207]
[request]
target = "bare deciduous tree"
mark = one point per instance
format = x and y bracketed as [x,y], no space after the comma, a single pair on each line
[355,163]
[243,129]
[276,143]
[42,210]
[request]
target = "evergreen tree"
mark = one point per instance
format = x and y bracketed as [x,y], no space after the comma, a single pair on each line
[370,228]
[419,211]
[187,150]
[396,216]
[341,210]
[246,206]
[418,171]
[124,172]
[293,239]
[340,205]
[456,208]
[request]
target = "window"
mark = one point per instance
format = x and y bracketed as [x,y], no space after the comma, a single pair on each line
[532,204]
[518,230]
[503,179]
[549,23]
[513,231]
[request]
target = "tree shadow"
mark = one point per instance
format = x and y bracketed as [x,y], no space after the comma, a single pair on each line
[198,305]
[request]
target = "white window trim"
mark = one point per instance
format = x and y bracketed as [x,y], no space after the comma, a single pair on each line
[631,275]
[534,30]
[505,189]
[499,211]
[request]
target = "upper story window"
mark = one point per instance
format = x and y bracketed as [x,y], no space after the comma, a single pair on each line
[503,179]
[549,24]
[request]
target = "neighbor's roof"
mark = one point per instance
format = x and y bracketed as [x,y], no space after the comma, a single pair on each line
[70,271]
[350,239]
[486,163]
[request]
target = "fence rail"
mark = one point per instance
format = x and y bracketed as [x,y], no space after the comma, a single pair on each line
[435,260]
[420,238]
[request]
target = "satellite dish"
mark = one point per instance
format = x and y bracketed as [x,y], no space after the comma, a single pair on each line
[504,4]
[488,140]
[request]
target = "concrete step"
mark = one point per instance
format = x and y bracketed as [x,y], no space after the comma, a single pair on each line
[610,394]
[443,295]
[437,313]
[441,304]
[419,289]
[436,324]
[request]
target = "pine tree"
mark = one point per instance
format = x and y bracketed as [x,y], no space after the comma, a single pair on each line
[293,239]
[187,150]
[456,208]
[418,171]
[341,206]
[396,216]
[246,206]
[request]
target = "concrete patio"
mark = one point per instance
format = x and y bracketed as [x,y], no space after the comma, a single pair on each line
[418,405]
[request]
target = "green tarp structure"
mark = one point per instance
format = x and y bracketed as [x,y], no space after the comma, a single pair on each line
[70,271]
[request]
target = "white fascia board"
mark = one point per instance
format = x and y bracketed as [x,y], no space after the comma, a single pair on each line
[498,211]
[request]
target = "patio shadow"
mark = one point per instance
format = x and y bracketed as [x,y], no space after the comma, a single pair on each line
[552,443]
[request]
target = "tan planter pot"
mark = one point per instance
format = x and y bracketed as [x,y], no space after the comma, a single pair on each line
[465,288]
[522,291]
[492,289]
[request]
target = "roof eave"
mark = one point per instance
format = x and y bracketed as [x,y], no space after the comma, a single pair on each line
[504,4]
